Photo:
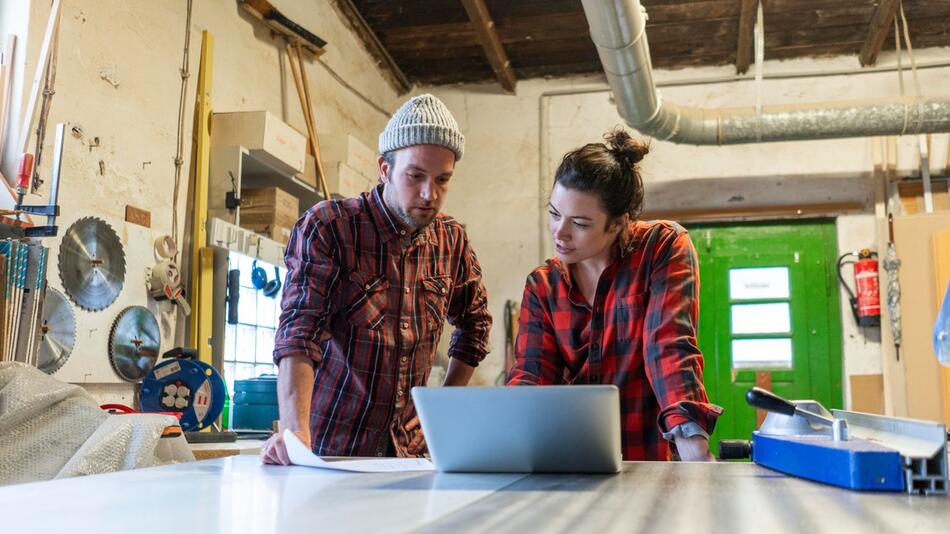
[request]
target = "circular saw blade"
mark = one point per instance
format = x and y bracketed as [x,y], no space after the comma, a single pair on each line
[134,343]
[91,263]
[58,331]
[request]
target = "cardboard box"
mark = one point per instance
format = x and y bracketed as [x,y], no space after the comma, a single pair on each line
[269,138]
[269,206]
[346,181]
[309,174]
[274,231]
[346,148]
[867,393]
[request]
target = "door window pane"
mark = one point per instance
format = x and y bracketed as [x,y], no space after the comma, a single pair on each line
[774,318]
[758,283]
[762,353]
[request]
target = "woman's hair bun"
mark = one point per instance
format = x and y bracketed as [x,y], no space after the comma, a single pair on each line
[624,147]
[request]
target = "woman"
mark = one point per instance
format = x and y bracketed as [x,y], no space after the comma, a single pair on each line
[618,305]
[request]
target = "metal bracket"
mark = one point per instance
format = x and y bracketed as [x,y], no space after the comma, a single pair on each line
[43,211]
[41,231]
[922,445]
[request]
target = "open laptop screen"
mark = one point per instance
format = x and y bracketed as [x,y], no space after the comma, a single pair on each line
[529,429]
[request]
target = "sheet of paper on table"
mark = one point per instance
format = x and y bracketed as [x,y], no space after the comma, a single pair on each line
[300,454]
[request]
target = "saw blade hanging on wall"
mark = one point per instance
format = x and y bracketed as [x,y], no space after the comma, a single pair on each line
[91,264]
[134,343]
[58,331]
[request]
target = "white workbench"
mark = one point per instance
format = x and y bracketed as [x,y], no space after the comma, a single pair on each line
[238,494]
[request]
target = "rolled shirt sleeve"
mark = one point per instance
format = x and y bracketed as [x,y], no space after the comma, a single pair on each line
[312,276]
[673,359]
[468,310]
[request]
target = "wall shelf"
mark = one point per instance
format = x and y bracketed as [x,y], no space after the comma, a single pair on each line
[235,167]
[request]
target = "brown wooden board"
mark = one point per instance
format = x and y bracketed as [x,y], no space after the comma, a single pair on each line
[914,238]
[433,41]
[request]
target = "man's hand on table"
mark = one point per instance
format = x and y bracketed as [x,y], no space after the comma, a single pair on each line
[417,442]
[274,450]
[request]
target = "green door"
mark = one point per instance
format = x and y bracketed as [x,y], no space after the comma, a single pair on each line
[769,315]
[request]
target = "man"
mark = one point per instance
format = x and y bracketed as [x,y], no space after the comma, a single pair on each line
[370,282]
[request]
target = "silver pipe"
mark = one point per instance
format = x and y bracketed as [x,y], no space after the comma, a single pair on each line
[618,30]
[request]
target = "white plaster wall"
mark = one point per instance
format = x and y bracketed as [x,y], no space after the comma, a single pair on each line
[118,80]
[861,345]
[514,144]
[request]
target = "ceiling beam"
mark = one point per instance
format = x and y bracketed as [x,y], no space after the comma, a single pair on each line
[487,36]
[746,29]
[384,61]
[881,23]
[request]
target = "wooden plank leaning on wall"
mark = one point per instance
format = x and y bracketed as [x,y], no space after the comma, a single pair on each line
[884,151]
[941,257]
[914,235]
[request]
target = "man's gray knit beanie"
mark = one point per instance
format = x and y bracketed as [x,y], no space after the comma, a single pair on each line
[422,120]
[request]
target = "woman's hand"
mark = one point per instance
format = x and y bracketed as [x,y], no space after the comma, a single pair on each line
[694,449]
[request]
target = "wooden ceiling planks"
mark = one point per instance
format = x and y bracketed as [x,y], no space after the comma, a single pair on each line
[435,42]
[745,42]
[882,23]
[487,36]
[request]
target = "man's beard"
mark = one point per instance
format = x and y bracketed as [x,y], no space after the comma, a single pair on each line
[407,220]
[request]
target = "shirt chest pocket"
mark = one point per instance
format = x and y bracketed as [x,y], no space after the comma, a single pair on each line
[436,291]
[365,300]
[629,316]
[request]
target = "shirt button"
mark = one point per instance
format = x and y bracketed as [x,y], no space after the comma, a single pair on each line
[405,325]
[406,289]
[367,286]
[379,454]
[402,232]
[399,393]
[403,359]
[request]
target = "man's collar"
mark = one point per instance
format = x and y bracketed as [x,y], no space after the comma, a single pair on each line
[389,226]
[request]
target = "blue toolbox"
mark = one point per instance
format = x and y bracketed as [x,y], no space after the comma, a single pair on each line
[254,406]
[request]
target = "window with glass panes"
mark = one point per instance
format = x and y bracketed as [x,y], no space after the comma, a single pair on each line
[761,318]
[249,345]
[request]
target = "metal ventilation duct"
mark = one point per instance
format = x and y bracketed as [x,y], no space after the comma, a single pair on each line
[618,29]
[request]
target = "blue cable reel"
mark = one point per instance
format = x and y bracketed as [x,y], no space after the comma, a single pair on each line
[182,383]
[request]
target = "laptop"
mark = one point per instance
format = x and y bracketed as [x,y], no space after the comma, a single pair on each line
[521,429]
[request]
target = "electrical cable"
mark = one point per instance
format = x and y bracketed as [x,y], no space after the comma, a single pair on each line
[179,161]
[49,89]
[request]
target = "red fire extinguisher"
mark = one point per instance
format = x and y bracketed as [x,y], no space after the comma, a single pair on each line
[866,305]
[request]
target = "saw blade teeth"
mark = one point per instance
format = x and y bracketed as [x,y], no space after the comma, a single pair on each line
[112,329]
[59,325]
[92,264]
